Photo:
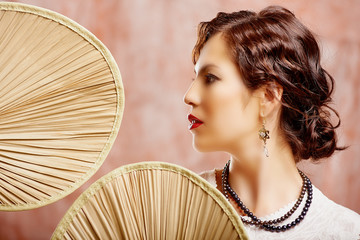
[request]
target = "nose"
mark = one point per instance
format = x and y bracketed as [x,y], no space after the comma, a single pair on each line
[192,97]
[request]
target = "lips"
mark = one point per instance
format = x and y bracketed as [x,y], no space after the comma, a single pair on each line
[194,122]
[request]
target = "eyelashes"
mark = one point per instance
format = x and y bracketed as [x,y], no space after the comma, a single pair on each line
[210,78]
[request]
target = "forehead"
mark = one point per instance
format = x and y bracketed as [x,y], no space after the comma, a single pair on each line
[215,52]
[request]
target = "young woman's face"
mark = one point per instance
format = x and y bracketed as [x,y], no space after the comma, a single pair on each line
[224,113]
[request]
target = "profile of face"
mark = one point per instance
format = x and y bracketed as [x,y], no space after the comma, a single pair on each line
[224,112]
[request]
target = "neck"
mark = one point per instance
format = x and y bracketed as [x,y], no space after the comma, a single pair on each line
[265,184]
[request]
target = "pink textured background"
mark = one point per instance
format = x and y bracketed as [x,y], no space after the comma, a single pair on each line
[152,42]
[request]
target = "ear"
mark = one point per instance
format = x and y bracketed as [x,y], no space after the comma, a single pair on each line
[270,102]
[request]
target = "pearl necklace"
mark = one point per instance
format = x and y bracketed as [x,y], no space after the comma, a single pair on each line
[270,225]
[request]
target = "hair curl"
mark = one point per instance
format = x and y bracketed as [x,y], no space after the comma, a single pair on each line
[273,46]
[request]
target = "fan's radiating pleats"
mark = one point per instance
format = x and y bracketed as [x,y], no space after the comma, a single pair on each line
[151,201]
[61,102]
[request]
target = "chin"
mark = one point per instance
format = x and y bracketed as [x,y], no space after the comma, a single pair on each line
[203,147]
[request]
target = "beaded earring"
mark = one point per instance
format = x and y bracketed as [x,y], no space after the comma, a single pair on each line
[264,135]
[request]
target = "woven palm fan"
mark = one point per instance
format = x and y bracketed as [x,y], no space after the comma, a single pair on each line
[151,200]
[61,103]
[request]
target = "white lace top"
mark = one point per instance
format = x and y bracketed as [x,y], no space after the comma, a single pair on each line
[324,220]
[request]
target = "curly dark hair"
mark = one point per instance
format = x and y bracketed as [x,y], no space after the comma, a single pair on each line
[274,47]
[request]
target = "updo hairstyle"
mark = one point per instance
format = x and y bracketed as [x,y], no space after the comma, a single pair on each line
[274,47]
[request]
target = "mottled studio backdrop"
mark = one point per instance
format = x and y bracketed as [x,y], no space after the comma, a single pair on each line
[151,41]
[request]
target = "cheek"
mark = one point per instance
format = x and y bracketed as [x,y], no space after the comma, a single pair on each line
[234,117]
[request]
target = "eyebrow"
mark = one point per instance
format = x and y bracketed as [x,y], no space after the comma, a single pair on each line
[205,68]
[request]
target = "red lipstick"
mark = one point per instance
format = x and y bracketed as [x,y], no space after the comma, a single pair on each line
[194,122]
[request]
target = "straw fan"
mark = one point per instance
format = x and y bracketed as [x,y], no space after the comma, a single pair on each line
[151,200]
[61,103]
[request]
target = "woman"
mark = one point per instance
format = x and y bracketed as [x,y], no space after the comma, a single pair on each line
[261,95]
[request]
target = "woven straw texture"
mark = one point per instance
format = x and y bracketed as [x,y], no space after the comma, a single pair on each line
[61,104]
[151,200]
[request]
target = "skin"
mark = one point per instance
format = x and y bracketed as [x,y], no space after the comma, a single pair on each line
[232,116]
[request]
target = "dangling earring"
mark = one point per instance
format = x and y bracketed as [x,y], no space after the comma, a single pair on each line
[264,135]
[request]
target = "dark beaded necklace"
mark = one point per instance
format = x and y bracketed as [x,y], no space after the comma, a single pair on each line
[270,225]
